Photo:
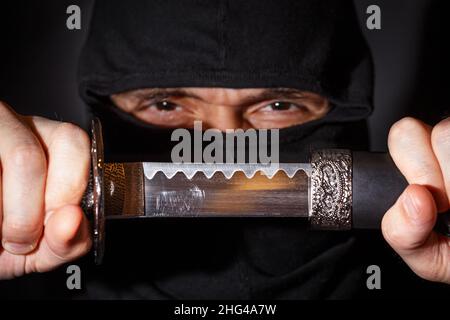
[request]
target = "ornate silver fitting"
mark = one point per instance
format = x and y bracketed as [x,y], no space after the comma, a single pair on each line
[331,189]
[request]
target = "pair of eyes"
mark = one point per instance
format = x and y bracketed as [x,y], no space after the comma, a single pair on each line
[276,106]
[266,114]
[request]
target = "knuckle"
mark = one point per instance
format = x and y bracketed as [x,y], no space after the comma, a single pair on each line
[441,132]
[70,133]
[67,129]
[29,156]
[403,128]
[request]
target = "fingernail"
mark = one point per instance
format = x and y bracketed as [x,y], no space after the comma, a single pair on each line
[410,207]
[17,248]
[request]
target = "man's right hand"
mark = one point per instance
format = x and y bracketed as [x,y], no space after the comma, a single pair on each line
[44,170]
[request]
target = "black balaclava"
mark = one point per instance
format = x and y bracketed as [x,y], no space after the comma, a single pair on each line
[309,45]
[313,45]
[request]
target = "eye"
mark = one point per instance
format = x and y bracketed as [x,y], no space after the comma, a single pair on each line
[162,112]
[281,106]
[165,106]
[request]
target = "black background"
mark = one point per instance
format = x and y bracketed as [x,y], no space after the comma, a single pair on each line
[38,63]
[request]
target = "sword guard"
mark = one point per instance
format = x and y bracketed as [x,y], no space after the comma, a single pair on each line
[93,203]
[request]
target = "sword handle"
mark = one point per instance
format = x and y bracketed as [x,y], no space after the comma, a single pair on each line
[355,189]
[377,184]
[371,199]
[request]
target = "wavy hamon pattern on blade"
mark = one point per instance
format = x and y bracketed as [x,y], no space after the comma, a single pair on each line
[228,170]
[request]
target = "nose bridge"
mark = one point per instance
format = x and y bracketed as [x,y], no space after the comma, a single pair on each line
[224,117]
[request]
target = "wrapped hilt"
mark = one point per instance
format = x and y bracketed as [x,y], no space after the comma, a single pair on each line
[353,190]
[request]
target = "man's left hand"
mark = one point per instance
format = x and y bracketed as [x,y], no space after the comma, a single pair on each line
[422,153]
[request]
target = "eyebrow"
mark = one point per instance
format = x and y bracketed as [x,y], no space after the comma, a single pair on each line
[272,94]
[161,93]
[265,94]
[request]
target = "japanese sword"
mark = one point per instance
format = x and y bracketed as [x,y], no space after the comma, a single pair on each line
[337,190]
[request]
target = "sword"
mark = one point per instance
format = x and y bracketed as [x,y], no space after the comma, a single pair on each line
[337,190]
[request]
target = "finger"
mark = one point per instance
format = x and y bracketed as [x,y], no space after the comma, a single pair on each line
[409,222]
[23,182]
[68,153]
[440,140]
[1,201]
[66,237]
[410,147]
[407,227]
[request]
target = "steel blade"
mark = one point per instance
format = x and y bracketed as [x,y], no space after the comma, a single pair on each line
[219,194]
[227,169]
[139,190]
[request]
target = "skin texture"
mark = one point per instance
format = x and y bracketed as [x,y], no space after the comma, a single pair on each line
[422,154]
[222,108]
[42,223]
[39,203]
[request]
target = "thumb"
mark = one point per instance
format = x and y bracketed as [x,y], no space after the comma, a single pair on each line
[408,228]
[66,237]
[408,224]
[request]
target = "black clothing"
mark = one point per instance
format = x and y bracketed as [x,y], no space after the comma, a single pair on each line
[311,45]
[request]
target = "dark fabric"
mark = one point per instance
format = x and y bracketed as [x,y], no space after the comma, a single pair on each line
[311,45]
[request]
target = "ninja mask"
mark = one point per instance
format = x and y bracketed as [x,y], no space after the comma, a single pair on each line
[308,45]
[314,46]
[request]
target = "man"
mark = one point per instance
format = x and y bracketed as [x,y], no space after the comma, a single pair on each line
[301,66]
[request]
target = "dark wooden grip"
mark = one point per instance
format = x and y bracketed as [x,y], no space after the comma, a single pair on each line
[124,189]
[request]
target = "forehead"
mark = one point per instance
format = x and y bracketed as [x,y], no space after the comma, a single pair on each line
[212,94]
